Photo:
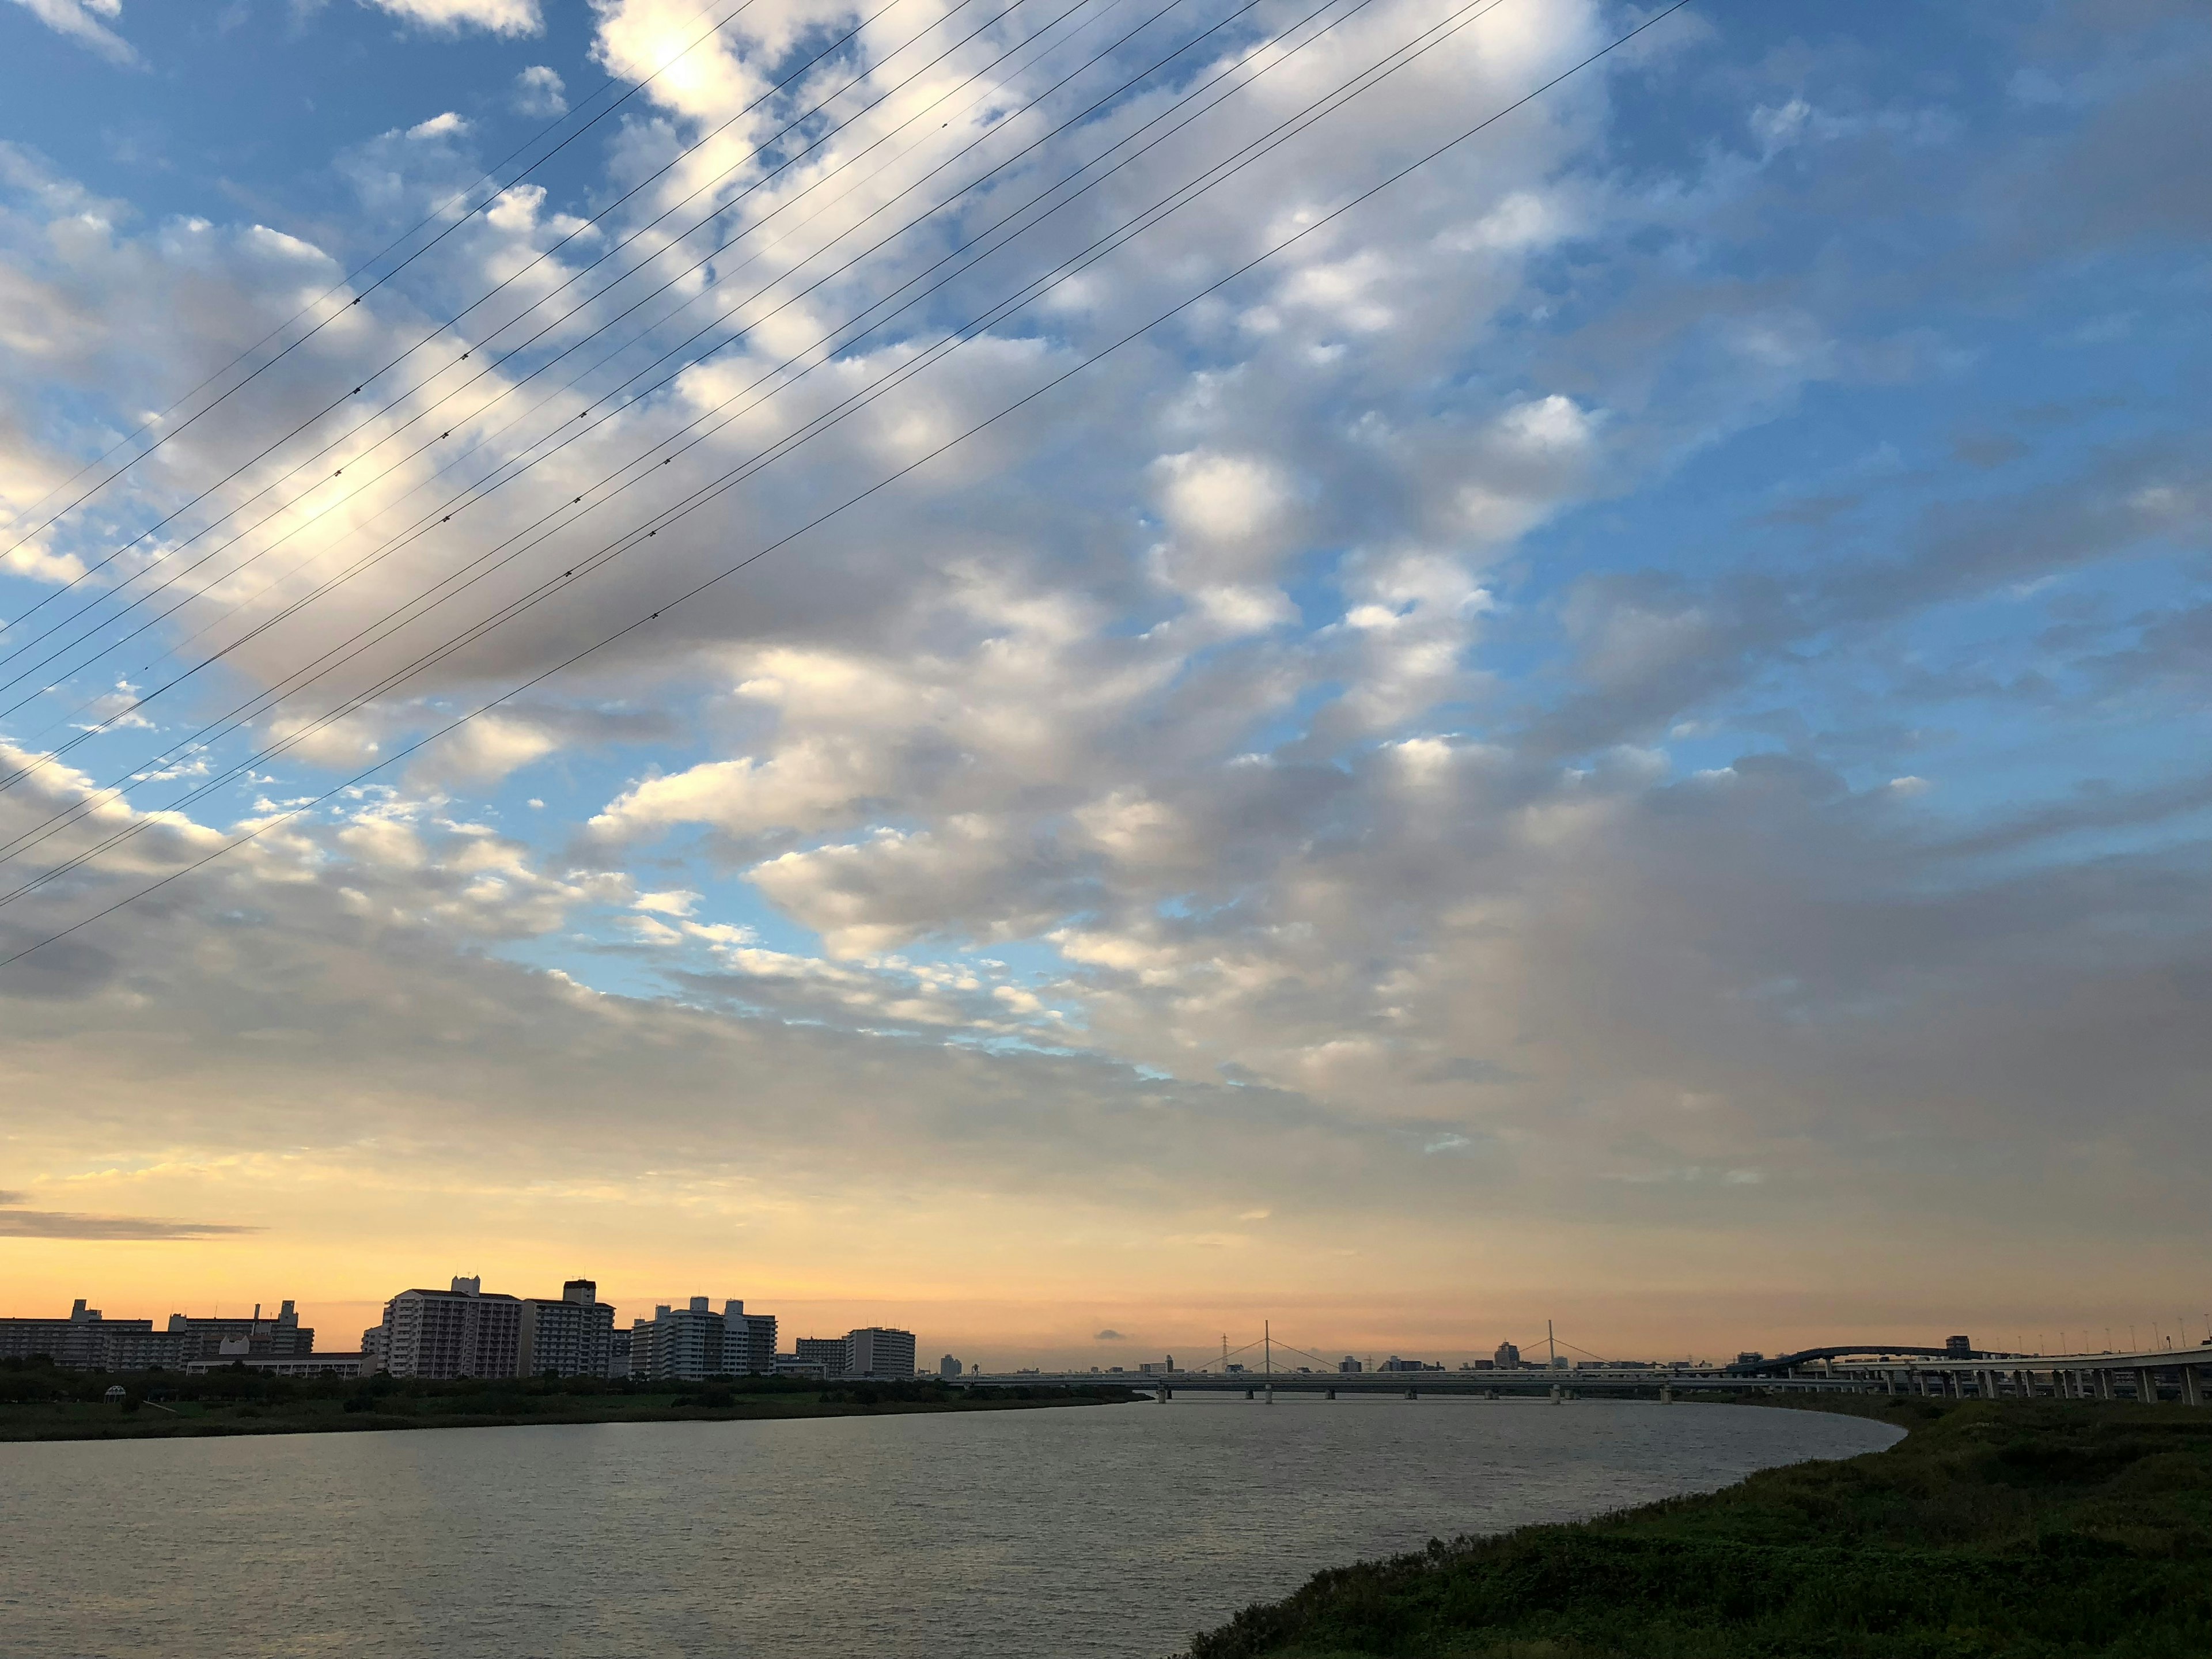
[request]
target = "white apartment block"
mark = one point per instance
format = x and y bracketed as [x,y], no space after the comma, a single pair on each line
[687,1343]
[442,1334]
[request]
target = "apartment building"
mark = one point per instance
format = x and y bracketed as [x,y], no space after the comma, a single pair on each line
[282,1337]
[442,1335]
[827,1351]
[85,1341]
[686,1344]
[876,1351]
[573,1336]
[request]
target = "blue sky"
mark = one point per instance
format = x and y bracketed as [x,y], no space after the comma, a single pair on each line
[1648,677]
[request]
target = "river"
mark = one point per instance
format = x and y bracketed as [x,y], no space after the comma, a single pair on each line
[1107,1532]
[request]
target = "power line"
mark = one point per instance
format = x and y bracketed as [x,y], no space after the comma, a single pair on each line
[480,490]
[345,282]
[431,520]
[493,363]
[500,287]
[1309,229]
[633,538]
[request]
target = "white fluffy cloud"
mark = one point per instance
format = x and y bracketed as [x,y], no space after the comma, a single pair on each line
[498,16]
[81,19]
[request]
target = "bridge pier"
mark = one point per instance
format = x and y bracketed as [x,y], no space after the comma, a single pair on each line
[1413,1394]
[1666,1393]
[2104,1376]
[1332,1393]
[2190,1396]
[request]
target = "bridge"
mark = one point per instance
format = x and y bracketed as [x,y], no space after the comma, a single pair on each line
[1532,1381]
[2183,1374]
[2145,1374]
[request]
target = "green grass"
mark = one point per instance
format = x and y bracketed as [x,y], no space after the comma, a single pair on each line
[38,1402]
[2020,1529]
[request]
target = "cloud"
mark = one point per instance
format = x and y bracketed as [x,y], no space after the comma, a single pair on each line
[81,20]
[19,1221]
[496,16]
[540,91]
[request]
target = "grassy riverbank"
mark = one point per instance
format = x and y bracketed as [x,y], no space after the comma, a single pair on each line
[40,1403]
[2022,1529]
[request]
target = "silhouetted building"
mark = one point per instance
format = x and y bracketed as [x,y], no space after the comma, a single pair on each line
[443,1335]
[874,1351]
[948,1366]
[827,1351]
[1959,1346]
[1508,1357]
[618,1354]
[290,1365]
[85,1341]
[284,1336]
[572,1337]
[1350,1366]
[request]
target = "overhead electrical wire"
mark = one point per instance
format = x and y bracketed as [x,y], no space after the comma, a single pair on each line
[970,251]
[346,282]
[479,488]
[505,282]
[1452,23]
[492,363]
[1309,228]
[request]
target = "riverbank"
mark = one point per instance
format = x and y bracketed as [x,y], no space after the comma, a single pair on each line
[38,1403]
[2003,1529]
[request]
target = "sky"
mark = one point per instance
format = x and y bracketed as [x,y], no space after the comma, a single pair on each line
[1076,673]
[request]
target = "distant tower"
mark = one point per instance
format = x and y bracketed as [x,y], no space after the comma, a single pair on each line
[948,1366]
[1959,1346]
[1507,1357]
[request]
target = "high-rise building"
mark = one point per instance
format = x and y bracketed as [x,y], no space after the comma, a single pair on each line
[687,1343]
[1507,1357]
[1349,1366]
[748,1341]
[443,1335]
[619,1345]
[830,1352]
[571,1337]
[948,1366]
[874,1351]
[1959,1346]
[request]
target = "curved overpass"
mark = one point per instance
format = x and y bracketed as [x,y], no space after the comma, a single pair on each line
[1781,1363]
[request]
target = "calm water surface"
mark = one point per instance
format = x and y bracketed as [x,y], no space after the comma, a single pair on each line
[1108,1532]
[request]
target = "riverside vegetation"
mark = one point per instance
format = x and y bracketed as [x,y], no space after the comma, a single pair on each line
[1999,1529]
[40,1402]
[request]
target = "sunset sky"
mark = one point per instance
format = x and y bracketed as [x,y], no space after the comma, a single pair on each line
[1617,732]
